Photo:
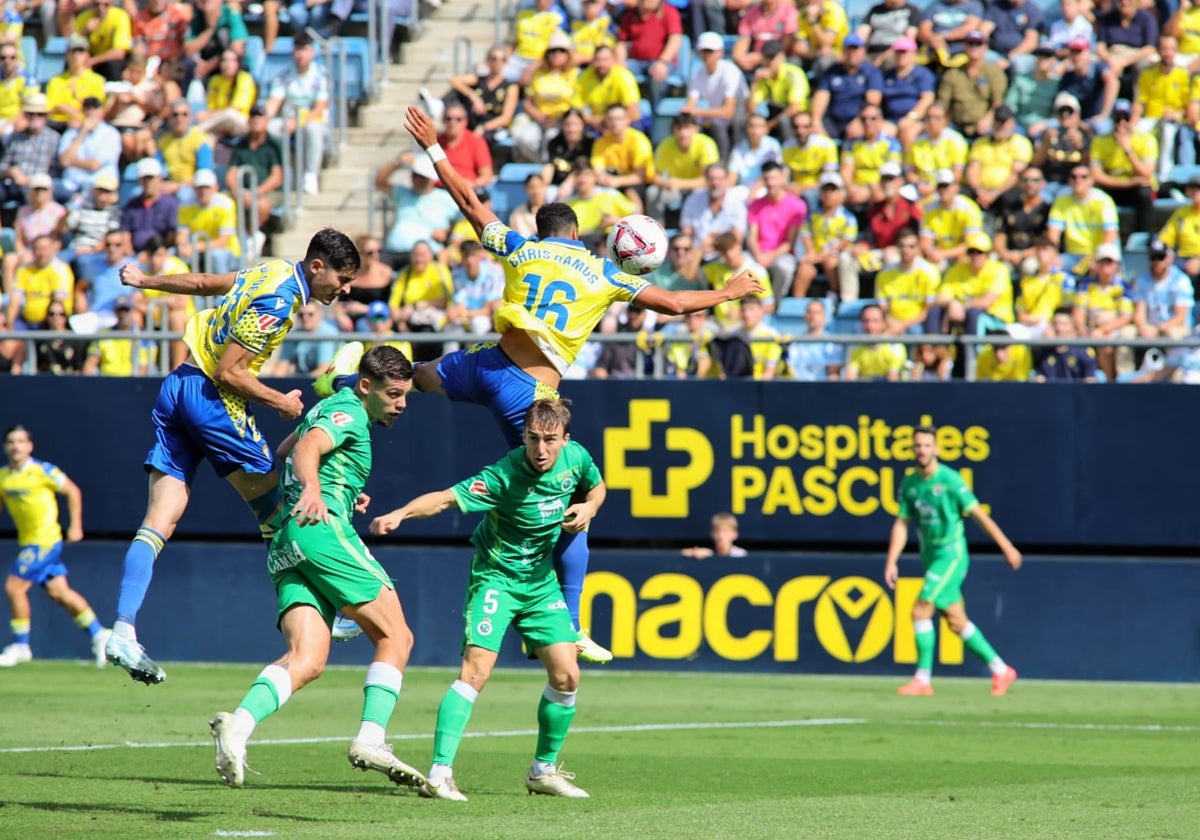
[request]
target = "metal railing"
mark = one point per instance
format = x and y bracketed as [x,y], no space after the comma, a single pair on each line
[463,47]
[246,212]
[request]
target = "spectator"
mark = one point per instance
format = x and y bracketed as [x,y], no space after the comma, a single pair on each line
[938,148]
[875,361]
[597,209]
[780,86]
[573,142]
[165,311]
[763,340]
[423,214]
[1064,146]
[478,291]
[907,290]
[1123,164]
[687,347]
[605,84]
[717,92]
[1003,363]
[1013,28]
[679,164]
[121,356]
[304,87]
[1181,233]
[1163,297]
[774,223]
[888,218]
[767,28]
[946,26]
[551,93]
[1083,219]
[623,156]
[863,157]
[845,89]
[133,108]
[1064,363]
[467,151]
[262,154]
[1184,24]
[58,356]
[807,155]
[724,533]
[491,101]
[1125,39]
[96,293]
[87,224]
[533,30]
[216,27]
[908,91]
[625,360]
[420,295]
[42,216]
[1076,23]
[1031,95]
[732,259]
[595,31]
[372,284]
[305,14]
[1044,290]
[814,361]
[947,223]
[86,152]
[152,212]
[161,26]
[31,151]
[39,284]
[884,25]
[65,92]
[1161,100]
[995,164]
[976,293]
[681,272]
[822,30]
[1092,84]
[713,210]
[185,149]
[523,218]
[1104,309]
[931,363]
[231,94]
[109,33]
[1025,221]
[208,228]
[827,242]
[972,93]
[13,82]
[751,153]
[311,355]
[648,42]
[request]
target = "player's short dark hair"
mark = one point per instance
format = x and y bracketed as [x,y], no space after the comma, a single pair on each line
[772,166]
[1065,310]
[556,219]
[16,427]
[548,413]
[925,430]
[335,249]
[470,247]
[868,308]
[153,244]
[383,362]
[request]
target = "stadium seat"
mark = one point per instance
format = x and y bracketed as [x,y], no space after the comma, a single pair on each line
[1135,257]
[8,240]
[358,85]
[52,60]
[276,62]
[846,321]
[1137,241]
[29,51]
[129,184]
[516,173]
[663,114]
[254,57]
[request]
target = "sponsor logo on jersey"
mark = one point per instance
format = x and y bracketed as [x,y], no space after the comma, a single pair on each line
[478,488]
[484,628]
[340,418]
[266,322]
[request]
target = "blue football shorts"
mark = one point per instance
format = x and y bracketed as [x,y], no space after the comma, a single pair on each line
[193,420]
[39,564]
[484,375]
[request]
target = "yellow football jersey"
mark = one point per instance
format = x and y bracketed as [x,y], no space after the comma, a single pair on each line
[30,496]
[556,290]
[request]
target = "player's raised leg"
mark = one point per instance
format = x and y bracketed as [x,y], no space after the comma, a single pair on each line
[343,370]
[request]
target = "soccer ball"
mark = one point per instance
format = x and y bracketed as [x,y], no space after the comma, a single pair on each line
[637,244]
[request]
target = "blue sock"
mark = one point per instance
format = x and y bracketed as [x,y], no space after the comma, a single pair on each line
[570,564]
[136,574]
[266,512]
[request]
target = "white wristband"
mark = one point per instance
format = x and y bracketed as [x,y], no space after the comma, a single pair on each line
[436,153]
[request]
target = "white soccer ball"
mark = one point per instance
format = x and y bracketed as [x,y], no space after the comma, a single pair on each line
[637,244]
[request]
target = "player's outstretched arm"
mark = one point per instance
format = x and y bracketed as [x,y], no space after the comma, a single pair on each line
[896,543]
[677,303]
[577,517]
[422,507]
[178,284]
[74,510]
[421,127]
[233,374]
[1011,555]
[305,465]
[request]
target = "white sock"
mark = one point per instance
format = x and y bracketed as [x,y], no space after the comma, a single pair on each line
[371,733]
[924,675]
[997,666]
[243,723]
[281,680]
[124,629]
[439,772]
[541,768]
[464,689]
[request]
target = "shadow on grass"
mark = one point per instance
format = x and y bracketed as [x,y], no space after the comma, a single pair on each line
[350,788]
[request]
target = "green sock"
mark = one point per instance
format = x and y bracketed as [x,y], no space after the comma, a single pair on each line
[453,715]
[380,692]
[925,643]
[555,713]
[976,643]
[261,701]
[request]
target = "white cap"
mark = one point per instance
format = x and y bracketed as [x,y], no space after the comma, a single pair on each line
[831,179]
[710,41]
[891,169]
[205,178]
[945,176]
[423,166]
[40,181]
[149,168]
[1066,100]
[1108,251]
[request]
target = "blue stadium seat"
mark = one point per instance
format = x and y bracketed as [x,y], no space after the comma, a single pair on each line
[516,173]
[8,240]
[667,109]
[52,60]
[129,184]
[255,54]
[846,320]
[789,313]
[506,195]
[680,68]
[29,52]
[276,62]
[359,79]
[1138,242]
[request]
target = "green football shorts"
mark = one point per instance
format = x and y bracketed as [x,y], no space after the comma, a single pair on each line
[323,566]
[944,576]
[495,601]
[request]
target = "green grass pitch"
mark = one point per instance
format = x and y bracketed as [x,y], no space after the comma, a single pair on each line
[90,754]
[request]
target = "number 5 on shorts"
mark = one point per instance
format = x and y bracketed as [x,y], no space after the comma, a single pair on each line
[490,604]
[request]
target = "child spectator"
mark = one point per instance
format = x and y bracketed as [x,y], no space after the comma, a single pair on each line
[724,533]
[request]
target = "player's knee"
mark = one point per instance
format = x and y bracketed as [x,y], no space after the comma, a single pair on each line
[564,678]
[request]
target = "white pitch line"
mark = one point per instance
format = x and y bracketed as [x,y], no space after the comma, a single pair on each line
[510,733]
[223,833]
[1033,724]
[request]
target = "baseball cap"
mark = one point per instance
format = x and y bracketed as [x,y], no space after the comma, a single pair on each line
[852,40]
[1045,48]
[710,41]
[891,169]
[771,49]
[1122,106]
[976,37]
[1066,100]
[979,241]
[35,103]
[77,42]
[559,41]
[41,181]
[1158,248]
[904,44]
[378,311]
[945,176]
[149,168]
[205,178]
[1004,114]
[106,181]
[831,179]
[123,302]
[1079,42]
[1108,251]
[423,166]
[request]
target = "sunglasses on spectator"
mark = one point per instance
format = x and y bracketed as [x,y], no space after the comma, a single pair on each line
[1031,179]
[181,113]
[77,49]
[56,313]
[310,314]
[1066,109]
[975,252]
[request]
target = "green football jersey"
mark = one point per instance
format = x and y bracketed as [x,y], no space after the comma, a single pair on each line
[937,505]
[524,507]
[344,471]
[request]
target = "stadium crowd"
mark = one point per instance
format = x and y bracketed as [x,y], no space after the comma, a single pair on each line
[1018,167]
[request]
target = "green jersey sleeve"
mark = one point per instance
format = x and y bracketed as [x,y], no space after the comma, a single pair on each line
[482,491]
[336,422]
[588,473]
[963,496]
[906,497]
